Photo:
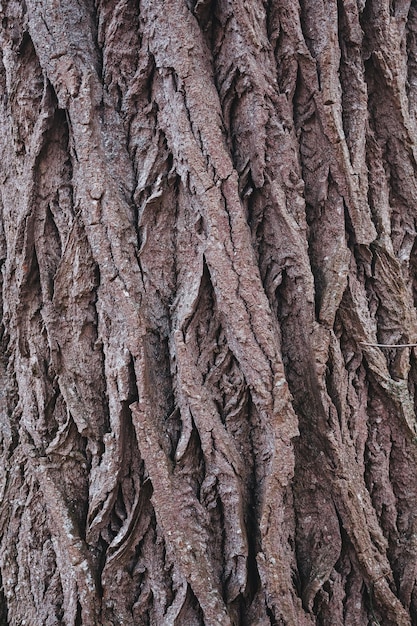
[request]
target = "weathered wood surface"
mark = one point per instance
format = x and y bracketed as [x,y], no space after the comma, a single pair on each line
[208,240]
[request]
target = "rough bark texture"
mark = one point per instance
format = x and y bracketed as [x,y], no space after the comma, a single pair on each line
[208,220]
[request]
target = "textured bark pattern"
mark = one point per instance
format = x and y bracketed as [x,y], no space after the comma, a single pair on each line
[208,222]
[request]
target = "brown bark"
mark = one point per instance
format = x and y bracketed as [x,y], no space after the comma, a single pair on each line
[207,226]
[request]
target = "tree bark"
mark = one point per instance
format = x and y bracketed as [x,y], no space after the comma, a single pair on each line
[208,367]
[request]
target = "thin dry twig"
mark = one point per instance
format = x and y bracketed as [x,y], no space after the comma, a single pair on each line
[389,345]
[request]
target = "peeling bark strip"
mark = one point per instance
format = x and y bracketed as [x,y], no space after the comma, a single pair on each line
[208,251]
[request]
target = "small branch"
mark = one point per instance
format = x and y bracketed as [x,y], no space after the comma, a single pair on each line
[389,345]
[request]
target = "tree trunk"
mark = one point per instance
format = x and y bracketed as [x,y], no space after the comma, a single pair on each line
[209,258]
